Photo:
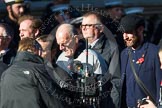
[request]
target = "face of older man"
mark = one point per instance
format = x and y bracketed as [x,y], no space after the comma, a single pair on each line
[91,28]
[66,43]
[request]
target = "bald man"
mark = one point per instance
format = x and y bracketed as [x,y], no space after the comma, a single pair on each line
[73,50]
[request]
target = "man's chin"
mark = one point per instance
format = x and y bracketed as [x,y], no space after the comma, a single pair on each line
[67,55]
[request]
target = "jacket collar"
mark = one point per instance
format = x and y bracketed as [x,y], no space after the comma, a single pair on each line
[28,56]
[100,43]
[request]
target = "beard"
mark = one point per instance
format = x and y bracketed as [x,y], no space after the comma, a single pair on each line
[134,42]
[14,15]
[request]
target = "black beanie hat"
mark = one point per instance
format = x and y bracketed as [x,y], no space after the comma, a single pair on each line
[129,23]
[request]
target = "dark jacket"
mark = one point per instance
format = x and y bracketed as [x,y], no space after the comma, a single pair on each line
[15,41]
[23,86]
[8,57]
[3,67]
[113,26]
[108,49]
[149,72]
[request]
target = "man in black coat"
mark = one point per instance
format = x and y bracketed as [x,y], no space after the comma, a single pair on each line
[27,84]
[3,67]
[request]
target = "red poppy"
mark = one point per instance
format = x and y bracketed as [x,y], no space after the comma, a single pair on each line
[140,60]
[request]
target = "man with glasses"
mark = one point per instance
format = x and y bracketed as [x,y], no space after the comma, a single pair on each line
[6,35]
[73,50]
[75,59]
[6,54]
[93,30]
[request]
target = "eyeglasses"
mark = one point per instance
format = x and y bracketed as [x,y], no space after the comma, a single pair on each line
[4,37]
[88,26]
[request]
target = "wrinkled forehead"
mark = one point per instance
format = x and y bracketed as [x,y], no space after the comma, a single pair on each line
[91,19]
[62,37]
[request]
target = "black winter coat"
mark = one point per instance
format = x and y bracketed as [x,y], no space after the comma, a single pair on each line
[22,84]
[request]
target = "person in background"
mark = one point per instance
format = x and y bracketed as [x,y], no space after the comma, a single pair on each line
[76,22]
[115,11]
[6,34]
[29,26]
[57,12]
[15,9]
[7,54]
[154,28]
[146,63]
[134,10]
[50,48]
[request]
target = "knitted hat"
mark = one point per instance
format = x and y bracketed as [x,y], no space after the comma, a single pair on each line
[131,22]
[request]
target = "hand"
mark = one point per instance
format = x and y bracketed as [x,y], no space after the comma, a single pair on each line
[149,105]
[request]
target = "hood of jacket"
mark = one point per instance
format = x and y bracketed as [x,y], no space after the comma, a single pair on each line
[28,56]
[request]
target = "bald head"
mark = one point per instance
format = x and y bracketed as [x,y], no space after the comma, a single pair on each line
[67,29]
[65,32]
[67,39]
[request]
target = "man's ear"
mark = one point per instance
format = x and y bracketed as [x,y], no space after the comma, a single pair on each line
[36,32]
[76,38]
[100,28]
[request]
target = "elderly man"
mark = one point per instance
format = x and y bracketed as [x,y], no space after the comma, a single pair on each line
[74,55]
[72,50]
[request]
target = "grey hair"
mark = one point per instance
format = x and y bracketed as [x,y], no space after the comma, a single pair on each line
[70,29]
